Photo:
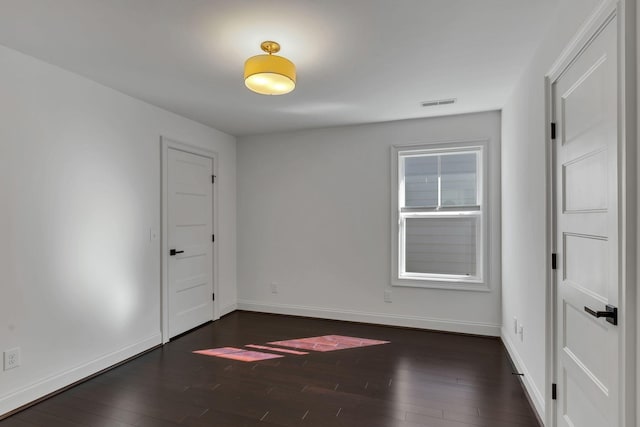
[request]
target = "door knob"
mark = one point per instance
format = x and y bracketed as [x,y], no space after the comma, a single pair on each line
[611,313]
[173,252]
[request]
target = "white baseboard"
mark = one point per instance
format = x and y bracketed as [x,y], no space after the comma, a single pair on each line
[446,325]
[228,309]
[55,382]
[532,390]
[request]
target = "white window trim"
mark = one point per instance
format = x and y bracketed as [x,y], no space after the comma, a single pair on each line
[481,283]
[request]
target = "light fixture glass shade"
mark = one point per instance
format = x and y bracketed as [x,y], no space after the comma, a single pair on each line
[269,74]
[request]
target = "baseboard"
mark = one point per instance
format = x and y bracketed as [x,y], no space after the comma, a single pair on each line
[535,396]
[228,309]
[475,328]
[38,389]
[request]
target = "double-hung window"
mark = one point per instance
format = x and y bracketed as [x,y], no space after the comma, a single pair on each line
[439,218]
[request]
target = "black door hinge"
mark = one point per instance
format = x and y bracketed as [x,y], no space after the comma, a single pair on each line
[554,392]
[553,131]
[213,237]
[213,297]
[213,179]
[554,261]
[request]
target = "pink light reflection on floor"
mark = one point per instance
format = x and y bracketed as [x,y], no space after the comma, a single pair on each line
[328,343]
[281,350]
[238,354]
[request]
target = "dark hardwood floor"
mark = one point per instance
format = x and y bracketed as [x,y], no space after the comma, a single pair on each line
[419,379]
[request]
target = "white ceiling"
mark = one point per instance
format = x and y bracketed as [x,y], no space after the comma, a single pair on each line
[358,61]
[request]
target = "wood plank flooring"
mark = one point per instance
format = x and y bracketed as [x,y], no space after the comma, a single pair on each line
[419,379]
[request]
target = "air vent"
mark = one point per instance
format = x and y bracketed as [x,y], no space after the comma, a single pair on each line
[438,102]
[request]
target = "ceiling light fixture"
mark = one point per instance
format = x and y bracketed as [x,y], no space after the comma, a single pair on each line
[270,74]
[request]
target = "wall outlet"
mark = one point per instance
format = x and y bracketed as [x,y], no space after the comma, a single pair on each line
[274,287]
[515,325]
[11,358]
[387,296]
[521,332]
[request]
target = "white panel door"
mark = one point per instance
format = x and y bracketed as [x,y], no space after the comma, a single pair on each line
[190,231]
[586,186]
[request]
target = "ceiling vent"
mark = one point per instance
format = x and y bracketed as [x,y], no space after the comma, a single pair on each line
[438,102]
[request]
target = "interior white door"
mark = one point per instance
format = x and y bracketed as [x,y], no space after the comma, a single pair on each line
[190,231]
[586,185]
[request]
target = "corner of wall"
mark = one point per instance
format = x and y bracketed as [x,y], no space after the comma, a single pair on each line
[533,392]
[228,309]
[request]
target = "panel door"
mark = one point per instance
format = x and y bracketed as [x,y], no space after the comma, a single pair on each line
[586,187]
[190,230]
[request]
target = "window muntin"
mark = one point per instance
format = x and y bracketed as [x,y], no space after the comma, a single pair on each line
[440,213]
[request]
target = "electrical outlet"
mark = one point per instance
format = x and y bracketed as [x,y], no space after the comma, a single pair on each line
[521,332]
[274,288]
[515,325]
[11,358]
[387,296]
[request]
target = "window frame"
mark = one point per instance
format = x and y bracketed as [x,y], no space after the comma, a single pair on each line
[399,277]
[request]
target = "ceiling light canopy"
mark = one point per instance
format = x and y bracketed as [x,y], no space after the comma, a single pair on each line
[270,74]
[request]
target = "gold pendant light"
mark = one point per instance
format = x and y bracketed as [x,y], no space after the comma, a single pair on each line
[270,74]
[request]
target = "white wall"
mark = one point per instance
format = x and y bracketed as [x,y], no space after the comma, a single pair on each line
[80,191]
[524,207]
[314,217]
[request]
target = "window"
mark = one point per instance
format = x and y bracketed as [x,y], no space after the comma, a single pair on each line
[439,215]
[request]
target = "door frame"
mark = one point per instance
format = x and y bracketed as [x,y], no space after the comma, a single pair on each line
[624,10]
[165,145]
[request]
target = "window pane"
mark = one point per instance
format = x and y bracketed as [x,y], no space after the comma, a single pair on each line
[459,179]
[441,245]
[421,181]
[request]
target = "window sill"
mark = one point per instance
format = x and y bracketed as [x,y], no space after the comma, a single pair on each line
[451,285]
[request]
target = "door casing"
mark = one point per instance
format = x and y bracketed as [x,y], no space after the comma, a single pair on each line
[165,145]
[625,12]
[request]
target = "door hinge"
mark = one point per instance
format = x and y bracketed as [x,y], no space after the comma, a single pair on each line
[553,131]
[213,179]
[213,237]
[554,392]
[213,297]
[554,261]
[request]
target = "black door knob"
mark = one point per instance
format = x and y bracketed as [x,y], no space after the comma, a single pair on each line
[173,252]
[611,314]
